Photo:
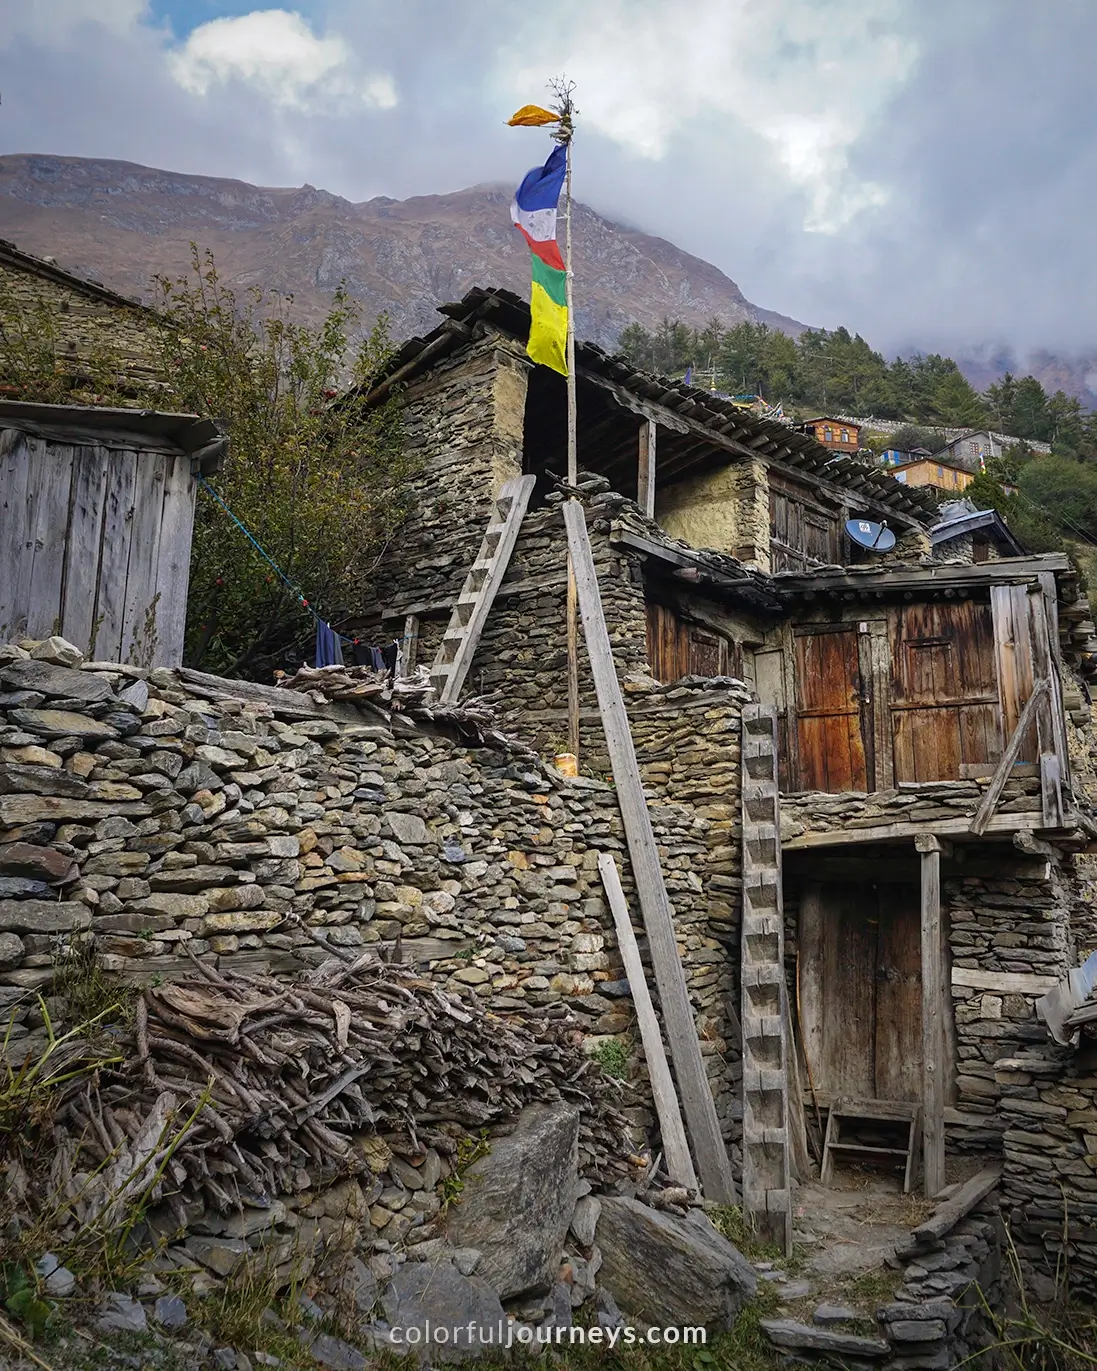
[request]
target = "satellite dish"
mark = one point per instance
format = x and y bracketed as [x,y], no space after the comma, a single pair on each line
[871,536]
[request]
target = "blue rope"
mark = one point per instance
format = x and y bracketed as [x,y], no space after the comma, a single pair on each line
[296,590]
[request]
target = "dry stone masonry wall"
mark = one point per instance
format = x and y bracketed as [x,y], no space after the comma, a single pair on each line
[169,824]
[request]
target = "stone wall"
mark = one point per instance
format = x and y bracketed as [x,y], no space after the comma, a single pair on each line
[521,663]
[1048,1107]
[921,804]
[726,508]
[169,819]
[463,424]
[88,328]
[1013,924]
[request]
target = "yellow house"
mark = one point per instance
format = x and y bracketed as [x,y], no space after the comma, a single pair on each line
[930,472]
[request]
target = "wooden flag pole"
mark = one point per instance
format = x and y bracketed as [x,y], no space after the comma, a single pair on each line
[566,130]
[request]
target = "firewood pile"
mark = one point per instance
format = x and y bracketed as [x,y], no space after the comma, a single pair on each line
[282,1078]
[412,695]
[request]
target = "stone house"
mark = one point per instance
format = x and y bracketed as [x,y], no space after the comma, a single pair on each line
[93,322]
[931,891]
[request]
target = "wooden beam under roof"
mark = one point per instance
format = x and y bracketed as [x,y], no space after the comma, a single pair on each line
[880,578]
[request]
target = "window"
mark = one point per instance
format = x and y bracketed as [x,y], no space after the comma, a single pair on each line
[828,434]
[940,472]
[901,476]
[845,435]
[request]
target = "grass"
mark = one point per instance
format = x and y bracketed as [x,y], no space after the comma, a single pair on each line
[612,1056]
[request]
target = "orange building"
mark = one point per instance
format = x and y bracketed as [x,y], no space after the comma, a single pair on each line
[837,434]
[930,472]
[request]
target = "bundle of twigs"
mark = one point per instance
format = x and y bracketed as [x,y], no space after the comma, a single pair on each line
[473,718]
[274,1078]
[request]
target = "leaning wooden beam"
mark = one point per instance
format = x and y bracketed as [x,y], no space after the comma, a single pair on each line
[933,1023]
[946,1216]
[645,476]
[713,1163]
[1009,756]
[671,1128]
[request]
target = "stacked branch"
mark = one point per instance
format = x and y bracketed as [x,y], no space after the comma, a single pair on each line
[413,695]
[229,1086]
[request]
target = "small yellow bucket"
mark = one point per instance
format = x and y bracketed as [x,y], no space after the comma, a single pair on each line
[567,764]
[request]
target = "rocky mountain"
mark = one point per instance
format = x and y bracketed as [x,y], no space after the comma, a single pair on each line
[123,224]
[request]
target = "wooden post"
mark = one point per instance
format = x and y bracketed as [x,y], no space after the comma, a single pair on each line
[933,1010]
[573,460]
[645,474]
[671,1128]
[409,648]
[698,1105]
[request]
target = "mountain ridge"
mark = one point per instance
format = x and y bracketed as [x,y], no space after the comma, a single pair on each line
[123,224]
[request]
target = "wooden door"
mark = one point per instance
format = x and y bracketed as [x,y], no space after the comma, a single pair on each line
[944,692]
[677,647]
[861,989]
[898,1017]
[829,706]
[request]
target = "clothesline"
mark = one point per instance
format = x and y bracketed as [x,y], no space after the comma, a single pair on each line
[329,641]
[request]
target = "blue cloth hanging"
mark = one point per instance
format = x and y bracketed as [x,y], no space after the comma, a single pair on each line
[329,646]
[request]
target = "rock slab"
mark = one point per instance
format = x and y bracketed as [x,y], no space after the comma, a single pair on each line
[671,1270]
[421,1293]
[518,1201]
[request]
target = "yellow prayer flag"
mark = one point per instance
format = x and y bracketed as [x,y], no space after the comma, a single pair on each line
[530,116]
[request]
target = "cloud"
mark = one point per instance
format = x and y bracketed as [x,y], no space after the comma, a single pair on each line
[923,171]
[277,55]
[57,23]
[806,78]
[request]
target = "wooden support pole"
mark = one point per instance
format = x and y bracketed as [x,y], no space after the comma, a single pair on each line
[645,475]
[698,1104]
[1008,757]
[573,458]
[933,1011]
[671,1128]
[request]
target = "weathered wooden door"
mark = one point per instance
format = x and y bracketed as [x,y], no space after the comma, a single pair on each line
[944,691]
[677,647]
[829,707]
[861,989]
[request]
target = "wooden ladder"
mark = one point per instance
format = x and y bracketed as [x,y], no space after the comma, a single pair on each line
[474,603]
[870,1112]
[767,1193]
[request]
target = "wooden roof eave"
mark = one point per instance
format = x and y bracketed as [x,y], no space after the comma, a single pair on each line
[1005,571]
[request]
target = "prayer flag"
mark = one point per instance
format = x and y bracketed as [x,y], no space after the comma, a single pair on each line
[534,214]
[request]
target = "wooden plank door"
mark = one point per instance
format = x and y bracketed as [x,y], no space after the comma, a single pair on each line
[829,706]
[898,1017]
[861,989]
[944,692]
[1013,633]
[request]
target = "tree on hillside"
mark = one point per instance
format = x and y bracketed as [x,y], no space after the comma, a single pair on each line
[957,402]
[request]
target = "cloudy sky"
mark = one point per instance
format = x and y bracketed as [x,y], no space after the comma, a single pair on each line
[924,171]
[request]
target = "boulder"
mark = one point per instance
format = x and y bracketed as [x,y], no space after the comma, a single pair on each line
[518,1201]
[421,1293]
[671,1269]
[60,682]
[58,650]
